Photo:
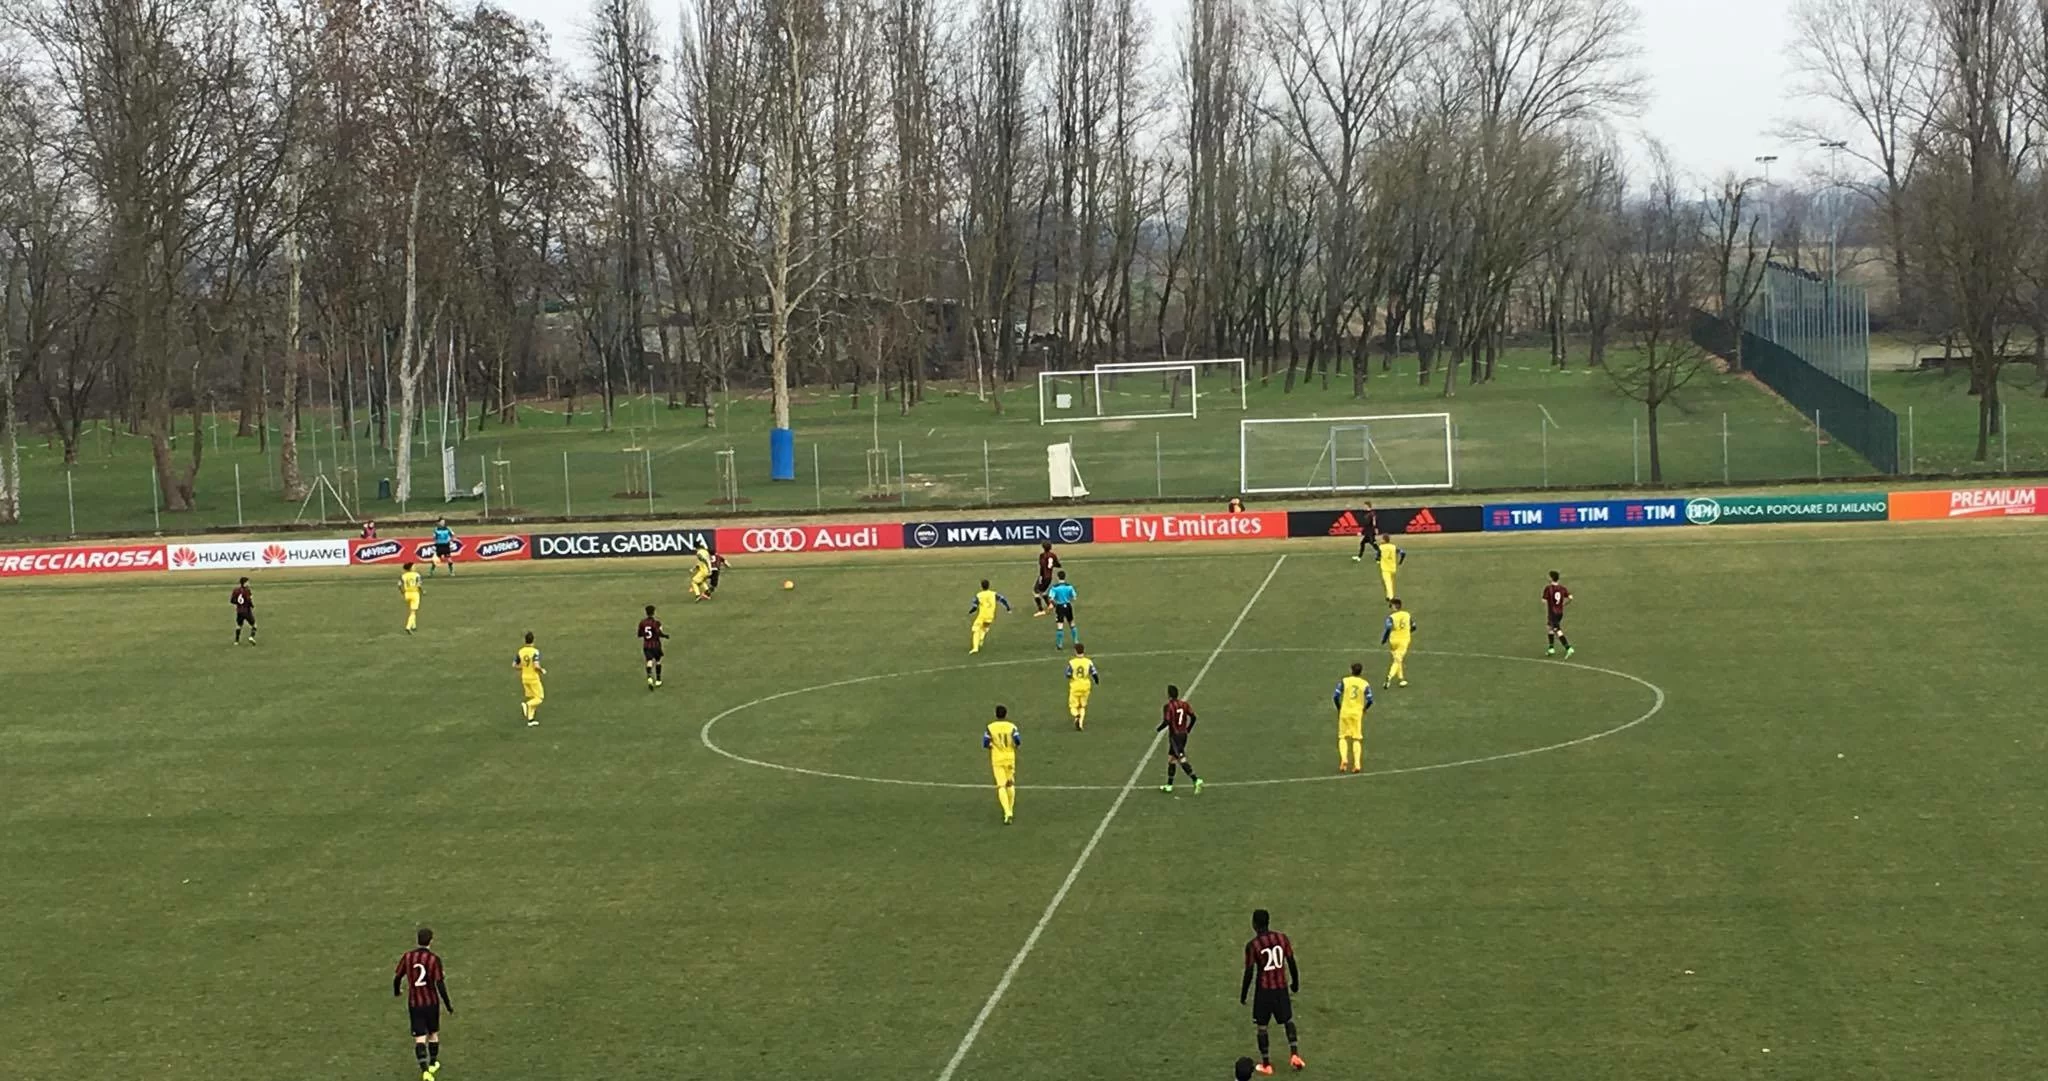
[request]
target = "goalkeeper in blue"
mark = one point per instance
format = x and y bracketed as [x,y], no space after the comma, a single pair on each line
[1062,597]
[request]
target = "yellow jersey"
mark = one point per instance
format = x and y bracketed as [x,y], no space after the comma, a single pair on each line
[1400,625]
[1354,696]
[1390,556]
[529,662]
[409,581]
[704,559]
[1001,739]
[1081,674]
[985,605]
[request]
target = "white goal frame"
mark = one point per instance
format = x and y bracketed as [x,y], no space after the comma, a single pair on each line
[1094,375]
[1334,425]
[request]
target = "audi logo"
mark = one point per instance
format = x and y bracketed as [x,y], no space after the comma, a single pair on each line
[774,540]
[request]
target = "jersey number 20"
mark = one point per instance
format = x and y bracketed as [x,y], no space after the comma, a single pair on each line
[1275,958]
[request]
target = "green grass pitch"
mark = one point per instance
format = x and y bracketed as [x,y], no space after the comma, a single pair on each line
[1827,843]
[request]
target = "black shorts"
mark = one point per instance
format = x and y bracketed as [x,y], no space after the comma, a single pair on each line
[1176,746]
[426,1020]
[652,653]
[1039,587]
[1272,1004]
[1063,612]
[245,615]
[1556,620]
[441,550]
[711,583]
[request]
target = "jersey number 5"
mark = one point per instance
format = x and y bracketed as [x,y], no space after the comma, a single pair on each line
[1275,958]
[419,975]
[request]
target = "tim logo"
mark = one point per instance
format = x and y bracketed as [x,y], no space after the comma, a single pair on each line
[184,557]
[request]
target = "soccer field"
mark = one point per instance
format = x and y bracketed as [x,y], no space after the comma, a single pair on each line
[1780,817]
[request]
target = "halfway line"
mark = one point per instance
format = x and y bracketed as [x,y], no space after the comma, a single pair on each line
[1087,850]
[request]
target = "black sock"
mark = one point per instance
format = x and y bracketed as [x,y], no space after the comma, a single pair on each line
[657,671]
[1293,1041]
[1169,774]
[238,634]
[1265,1055]
[1189,770]
[1563,641]
[434,1046]
[419,1051]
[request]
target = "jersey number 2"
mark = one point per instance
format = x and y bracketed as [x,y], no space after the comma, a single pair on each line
[419,975]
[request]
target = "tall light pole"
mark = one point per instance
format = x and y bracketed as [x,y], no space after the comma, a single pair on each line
[1830,319]
[1770,242]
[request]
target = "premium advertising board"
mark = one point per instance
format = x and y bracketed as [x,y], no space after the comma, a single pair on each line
[484,549]
[1154,528]
[1931,504]
[82,559]
[1761,509]
[257,555]
[676,541]
[1392,520]
[769,539]
[998,531]
[1589,514]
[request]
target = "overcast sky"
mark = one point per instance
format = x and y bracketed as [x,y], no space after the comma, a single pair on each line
[1720,80]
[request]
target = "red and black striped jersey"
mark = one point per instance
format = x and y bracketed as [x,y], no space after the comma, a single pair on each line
[420,970]
[1047,563]
[1178,717]
[1267,956]
[242,598]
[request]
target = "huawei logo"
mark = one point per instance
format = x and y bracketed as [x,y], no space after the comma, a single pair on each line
[184,557]
[274,553]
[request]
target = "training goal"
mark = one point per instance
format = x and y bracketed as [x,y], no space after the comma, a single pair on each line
[1345,454]
[1141,390]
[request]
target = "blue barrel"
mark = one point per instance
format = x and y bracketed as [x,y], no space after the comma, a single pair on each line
[781,454]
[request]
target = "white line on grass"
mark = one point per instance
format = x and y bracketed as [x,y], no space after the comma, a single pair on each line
[1059,897]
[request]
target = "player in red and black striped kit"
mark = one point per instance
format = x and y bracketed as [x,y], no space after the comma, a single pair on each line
[651,636]
[1048,562]
[1269,961]
[425,986]
[245,610]
[1555,597]
[1177,720]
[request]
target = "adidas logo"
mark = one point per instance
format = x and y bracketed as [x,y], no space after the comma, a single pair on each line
[1423,522]
[1346,525]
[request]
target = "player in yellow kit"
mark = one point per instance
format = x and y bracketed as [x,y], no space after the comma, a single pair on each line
[704,577]
[1081,680]
[1390,558]
[1353,698]
[984,609]
[1001,738]
[1400,630]
[530,671]
[409,583]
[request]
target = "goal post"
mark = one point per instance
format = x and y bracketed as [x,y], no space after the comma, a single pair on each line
[1098,394]
[1141,390]
[1396,452]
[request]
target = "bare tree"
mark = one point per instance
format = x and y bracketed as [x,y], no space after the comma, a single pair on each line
[1740,251]
[1660,285]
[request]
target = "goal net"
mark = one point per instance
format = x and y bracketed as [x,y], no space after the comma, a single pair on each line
[1345,454]
[1146,390]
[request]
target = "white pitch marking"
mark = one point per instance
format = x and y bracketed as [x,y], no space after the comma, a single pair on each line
[1656,707]
[1058,898]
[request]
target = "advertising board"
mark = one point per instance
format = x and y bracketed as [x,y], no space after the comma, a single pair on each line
[1938,503]
[1761,509]
[1392,520]
[674,541]
[1588,514]
[485,549]
[1154,528]
[81,559]
[990,532]
[772,539]
[257,555]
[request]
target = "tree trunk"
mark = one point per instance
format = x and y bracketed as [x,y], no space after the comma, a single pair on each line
[288,435]
[408,350]
[1656,458]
